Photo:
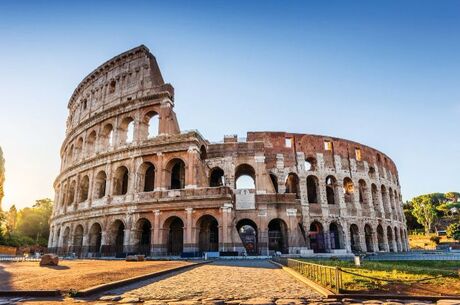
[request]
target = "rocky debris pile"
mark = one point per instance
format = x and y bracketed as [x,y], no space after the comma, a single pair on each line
[49,260]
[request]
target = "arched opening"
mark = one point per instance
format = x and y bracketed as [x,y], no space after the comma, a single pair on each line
[107,136]
[403,239]
[216,178]
[292,184]
[278,236]
[390,239]
[331,184]
[70,154]
[312,189]
[121,180]
[310,164]
[95,237]
[176,170]
[118,233]
[362,192]
[335,235]
[126,131]
[175,229]
[348,190]
[149,177]
[71,196]
[84,188]
[371,172]
[78,240]
[79,148]
[245,177]
[112,87]
[153,123]
[316,236]
[380,238]
[208,235]
[247,230]
[354,239]
[91,143]
[398,245]
[274,181]
[203,153]
[368,238]
[100,185]
[375,198]
[392,204]
[66,240]
[143,233]
[385,199]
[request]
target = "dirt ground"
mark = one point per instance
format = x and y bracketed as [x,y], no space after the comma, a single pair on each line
[78,274]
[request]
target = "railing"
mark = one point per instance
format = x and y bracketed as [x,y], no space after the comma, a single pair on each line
[326,276]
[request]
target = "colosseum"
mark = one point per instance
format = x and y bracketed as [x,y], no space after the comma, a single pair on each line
[131,182]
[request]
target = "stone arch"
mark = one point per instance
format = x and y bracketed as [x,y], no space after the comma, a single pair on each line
[310,164]
[390,239]
[368,237]
[126,131]
[362,188]
[392,200]
[120,181]
[208,234]
[216,177]
[142,236]
[203,153]
[71,195]
[152,125]
[348,190]
[385,203]
[107,136]
[375,199]
[91,143]
[331,190]
[398,244]
[95,238]
[355,240]
[292,184]
[147,177]
[380,238]
[174,237]
[117,237]
[245,177]
[79,148]
[316,236]
[175,170]
[100,185]
[78,240]
[336,236]
[313,189]
[278,236]
[274,180]
[403,239]
[66,240]
[84,189]
[247,230]
[70,154]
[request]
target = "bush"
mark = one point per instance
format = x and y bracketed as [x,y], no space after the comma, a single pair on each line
[453,231]
[435,239]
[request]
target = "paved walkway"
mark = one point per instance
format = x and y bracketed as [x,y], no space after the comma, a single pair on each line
[225,280]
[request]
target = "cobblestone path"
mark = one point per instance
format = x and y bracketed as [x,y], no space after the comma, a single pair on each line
[226,280]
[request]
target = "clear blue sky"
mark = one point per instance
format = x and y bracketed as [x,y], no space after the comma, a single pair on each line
[384,73]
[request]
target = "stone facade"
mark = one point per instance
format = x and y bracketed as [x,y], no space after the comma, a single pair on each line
[132,182]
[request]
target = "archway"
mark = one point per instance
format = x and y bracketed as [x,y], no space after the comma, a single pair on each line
[278,236]
[348,190]
[331,183]
[380,238]
[78,240]
[175,241]
[312,189]
[398,245]
[66,240]
[118,232]
[368,238]
[335,236]
[354,238]
[390,239]
[245,177]
[247,230]
[292,185]
[217,177]
[176,170]
[95,237]
[208,235]
[143,233]
[316,236]
[121,180]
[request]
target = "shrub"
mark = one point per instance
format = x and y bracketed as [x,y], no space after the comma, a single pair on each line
[453,231]
[435,239]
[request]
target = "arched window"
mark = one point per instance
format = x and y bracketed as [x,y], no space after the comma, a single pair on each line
[348,190]
[292,184]
[91,144]
[121,180]
[310,164]
[312,189]
[217,177]
[79,148]
[274,180]
[126,131]
[152,122]
[112,87]
[149,178]
[71,196]
[331,183]
[106,138]
[245,177]
[100,185]
[176,170]
[84,187]
[362,192]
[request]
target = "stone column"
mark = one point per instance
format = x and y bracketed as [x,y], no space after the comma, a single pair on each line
[191,172]
[226,233]
[156,241]
[188,246]
[375,240]
[260,174]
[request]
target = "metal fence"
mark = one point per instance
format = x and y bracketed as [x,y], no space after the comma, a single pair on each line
[326,276]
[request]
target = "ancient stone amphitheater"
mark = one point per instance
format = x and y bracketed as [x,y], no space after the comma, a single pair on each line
[132,182]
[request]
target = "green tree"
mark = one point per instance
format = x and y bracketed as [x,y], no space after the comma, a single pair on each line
[424,210]
[453,231]
[11,219]
[453,196]
[34,222]
[411,221]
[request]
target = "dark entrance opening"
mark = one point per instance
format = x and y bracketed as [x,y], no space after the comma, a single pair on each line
[176,237]
[316,236]
[144,232]
[118,229]
[247,230]
[368,238]
[354,238]
[334,235]
[278,236]
[209,234]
